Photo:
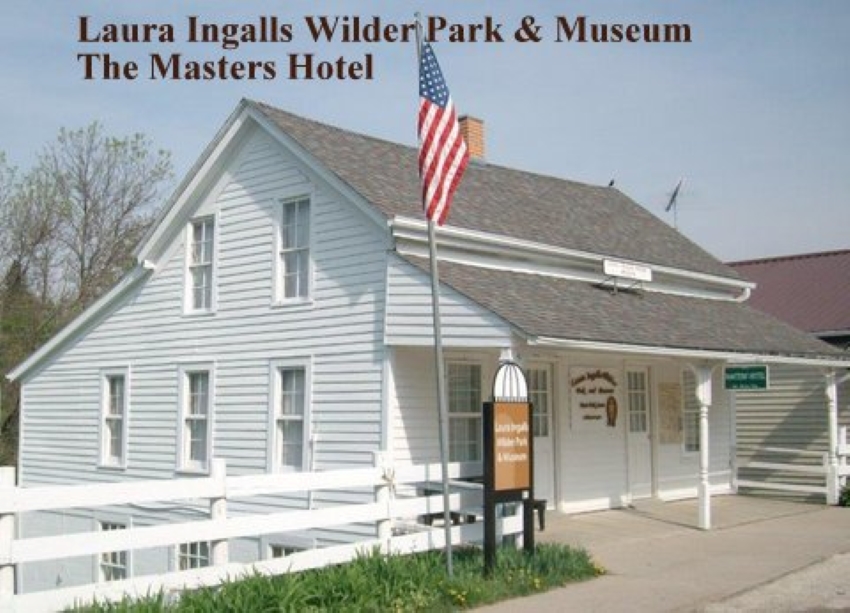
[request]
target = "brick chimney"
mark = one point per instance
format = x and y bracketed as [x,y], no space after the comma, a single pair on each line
[472,130]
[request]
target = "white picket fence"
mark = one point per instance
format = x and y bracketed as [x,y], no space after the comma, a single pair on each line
[793,461]
[784,460]
[843,454]
[218,489]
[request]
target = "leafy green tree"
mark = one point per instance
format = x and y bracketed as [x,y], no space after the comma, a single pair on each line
[21,331]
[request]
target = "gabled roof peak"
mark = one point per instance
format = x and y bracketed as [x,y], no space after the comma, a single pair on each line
[273,111]
[499,200]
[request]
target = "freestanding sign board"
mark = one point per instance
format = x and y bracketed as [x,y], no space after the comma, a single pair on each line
[508,470]
[512,442]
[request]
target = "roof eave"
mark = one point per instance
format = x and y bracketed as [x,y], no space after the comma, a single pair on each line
[415,231]
[317,166]
[831,333]
[151,244]
[690,353]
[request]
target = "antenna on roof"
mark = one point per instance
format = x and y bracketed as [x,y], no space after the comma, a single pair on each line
[673,203]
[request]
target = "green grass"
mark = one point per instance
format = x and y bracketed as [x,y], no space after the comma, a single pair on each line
[385,583]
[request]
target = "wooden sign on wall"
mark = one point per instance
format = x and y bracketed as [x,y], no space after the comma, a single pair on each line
[594,399]
[670,413]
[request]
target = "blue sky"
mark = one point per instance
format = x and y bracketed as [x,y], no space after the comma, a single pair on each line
[753,113]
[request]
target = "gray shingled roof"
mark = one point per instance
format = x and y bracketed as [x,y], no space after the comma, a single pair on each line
[565,214]
[501,200]
[587,313]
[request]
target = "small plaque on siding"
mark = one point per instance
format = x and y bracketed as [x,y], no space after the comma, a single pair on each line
[626,270]
[746,377]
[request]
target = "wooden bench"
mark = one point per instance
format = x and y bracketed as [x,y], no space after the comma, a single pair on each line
[539,505]
[458,517]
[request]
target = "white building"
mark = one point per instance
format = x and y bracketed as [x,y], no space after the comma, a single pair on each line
[279,317]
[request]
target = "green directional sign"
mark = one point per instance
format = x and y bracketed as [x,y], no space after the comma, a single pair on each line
[746,377]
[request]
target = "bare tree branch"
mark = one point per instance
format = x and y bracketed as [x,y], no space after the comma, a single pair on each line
[68,228]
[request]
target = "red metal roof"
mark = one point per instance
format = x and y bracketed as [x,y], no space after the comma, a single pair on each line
[809,291]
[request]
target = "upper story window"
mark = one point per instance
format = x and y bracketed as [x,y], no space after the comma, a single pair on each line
[113,426]
[201,273]
[293,259]
[195,428]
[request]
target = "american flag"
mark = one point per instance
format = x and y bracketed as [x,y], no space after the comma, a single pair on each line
[442,151]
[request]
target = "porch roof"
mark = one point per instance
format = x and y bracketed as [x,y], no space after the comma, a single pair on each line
[550,310]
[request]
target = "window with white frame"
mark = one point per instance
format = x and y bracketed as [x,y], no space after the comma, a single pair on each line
[193,555]
[114,418]
[277,550]
[540,397]
[638,400]
[283,545]
[195,419]
[201,266]
[690,412]
[465,419]
[291,416]
[113,564]
[294,250]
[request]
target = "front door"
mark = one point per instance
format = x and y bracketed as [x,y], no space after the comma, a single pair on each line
[639,436]
[540,394]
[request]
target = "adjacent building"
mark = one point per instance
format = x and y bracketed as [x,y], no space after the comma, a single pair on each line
[811,292]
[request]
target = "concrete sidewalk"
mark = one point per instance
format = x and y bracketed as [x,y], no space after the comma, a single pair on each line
[763,555]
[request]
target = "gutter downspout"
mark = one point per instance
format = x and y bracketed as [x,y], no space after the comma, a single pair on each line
[744,295]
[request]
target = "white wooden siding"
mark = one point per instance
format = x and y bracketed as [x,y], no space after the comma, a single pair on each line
[413,407]
[791,414]
[409,313]
[592,465]
[413,412]
[341,328]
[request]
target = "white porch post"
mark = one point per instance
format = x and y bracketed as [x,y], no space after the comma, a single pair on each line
[703,374]
[832,486]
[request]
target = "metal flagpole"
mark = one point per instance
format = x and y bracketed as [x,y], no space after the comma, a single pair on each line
[441,390]
[438,359]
